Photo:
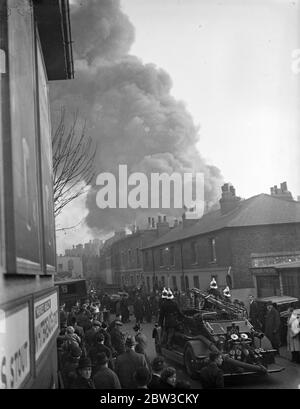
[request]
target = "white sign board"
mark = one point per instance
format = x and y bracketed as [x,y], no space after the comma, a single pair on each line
[45,322]
[14,348]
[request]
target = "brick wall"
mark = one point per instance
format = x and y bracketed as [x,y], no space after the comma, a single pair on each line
[259,239]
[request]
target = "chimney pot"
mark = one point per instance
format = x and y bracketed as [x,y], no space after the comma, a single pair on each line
[229,200]
[283,186]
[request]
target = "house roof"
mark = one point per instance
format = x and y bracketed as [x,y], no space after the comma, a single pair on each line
[258,210]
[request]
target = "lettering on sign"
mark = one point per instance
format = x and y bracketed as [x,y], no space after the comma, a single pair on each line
[45,322]
[14,348]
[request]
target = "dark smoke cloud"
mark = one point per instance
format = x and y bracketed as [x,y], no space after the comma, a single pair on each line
[128,108]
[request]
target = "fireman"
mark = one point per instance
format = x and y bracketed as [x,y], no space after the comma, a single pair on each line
[213,288]
[169,316]
[226,294]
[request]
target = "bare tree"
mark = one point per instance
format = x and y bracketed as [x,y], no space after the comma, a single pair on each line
[73,162]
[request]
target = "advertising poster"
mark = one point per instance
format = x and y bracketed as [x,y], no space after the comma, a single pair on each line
[14,348]
[45,322]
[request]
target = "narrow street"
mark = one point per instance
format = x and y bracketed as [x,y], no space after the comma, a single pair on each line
[289,378]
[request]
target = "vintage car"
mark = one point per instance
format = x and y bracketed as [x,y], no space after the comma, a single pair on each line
[218,326]
[282,303]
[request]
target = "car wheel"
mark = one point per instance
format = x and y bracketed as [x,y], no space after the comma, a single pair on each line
[189,362]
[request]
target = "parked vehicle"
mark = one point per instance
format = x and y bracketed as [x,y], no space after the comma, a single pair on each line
[221,327]
[282,303]
[71,291]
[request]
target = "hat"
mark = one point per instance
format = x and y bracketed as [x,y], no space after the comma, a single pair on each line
[130,341]
[104,325]
[84,363]
[99,337]
[213,284]
[226,292]
[117,322]
[269,303]
[164,293]
[158,363]
[96,323]
[137,327]
[102,358]
[170,295]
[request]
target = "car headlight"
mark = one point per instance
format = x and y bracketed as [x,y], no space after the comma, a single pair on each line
[244,336]
[234,337]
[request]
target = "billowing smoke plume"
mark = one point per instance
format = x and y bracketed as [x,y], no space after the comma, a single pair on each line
[128,108]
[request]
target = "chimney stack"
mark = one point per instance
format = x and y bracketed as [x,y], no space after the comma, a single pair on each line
[229,200]
[281,192]
[162,226]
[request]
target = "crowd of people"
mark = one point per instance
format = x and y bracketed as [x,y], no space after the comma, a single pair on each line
[94,352]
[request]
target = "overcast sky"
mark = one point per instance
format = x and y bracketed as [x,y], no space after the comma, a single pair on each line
[230,61]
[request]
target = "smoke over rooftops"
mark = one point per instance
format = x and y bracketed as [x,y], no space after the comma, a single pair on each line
[128,108]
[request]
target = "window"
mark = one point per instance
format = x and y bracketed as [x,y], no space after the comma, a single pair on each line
[138,263]
[161,257]
[146,258]
[187,284]
[267,286]
[70,265]
[129,258]
[24,138]
[213,256]
[193,252]
[291,284]
[163,281]
[172,256]
[148,284]
[60,268]
[182,283]
[174,282]
[196,282]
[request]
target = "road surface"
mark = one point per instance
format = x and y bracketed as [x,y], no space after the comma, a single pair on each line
[289,378]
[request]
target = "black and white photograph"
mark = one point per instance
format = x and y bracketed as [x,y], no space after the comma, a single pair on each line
[149,197]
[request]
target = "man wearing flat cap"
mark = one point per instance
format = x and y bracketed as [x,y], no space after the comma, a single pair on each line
[105,378]
[158,365]
[127,364]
